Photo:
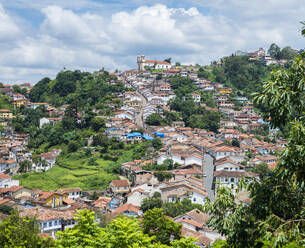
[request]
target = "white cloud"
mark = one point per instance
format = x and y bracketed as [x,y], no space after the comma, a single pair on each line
[89,41]
[8,29]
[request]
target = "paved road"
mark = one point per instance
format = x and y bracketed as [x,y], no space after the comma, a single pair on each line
[139,119]
[208,180]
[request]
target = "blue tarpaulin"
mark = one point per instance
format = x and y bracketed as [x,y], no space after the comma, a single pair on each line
[134,134]
[161,135]
[146,137]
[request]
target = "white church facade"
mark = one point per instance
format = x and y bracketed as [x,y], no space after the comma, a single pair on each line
[144,63]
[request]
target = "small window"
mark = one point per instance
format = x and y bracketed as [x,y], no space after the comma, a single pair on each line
[232,180]
[226,179]
[44,224]
[194,199]
[55,223]
[50,223]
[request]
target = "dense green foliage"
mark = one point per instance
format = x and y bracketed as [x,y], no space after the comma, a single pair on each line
[89,168]
[156,224]
[166,118]
[5,103]
[153,231]
[277,53]
[16,233]
[121,232]
[154,119]
[174,209]
[262,170]
[275,217]
[182,86]
[192,114]
[83,87]
[239,73]
[171,209]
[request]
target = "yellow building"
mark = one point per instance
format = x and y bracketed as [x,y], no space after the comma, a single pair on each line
[225,90]
[134,103]
[6,114]
[19,102]
[51,199]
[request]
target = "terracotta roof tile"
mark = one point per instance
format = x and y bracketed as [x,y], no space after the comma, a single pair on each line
[120,183]
[127,207]
[4,176]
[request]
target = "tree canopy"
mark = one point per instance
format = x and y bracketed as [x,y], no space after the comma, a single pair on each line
[69,86]
[275,217]
[153,232]
[277,53]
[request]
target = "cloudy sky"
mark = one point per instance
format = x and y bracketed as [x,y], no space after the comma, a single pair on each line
[40,37]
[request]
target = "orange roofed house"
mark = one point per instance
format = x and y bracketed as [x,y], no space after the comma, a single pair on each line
[50,221]
[6,114]
[73,193]
[129,210]
[6,181]
[50,199]
[120,187]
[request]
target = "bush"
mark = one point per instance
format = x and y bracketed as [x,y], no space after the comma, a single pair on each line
[73,146]
[162,175]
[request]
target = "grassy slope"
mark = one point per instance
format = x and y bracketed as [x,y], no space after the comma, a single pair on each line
[4,103]
[73,171]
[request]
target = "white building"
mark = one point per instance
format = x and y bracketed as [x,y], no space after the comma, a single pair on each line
[50,221]
[45,120]
[223,151]
[143,63]
[231,178]
[228,165]
[182,160]
[7,182]
[196,97]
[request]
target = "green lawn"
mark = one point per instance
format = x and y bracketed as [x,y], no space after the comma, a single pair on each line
[72,171]
[89,172]
[5,103]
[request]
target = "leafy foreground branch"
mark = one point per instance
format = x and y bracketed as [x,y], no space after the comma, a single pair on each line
[154,231]
[276,215]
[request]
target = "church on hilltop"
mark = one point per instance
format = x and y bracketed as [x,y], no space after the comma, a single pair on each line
[144,63]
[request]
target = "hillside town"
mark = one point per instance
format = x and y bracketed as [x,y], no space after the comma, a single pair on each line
[200,159]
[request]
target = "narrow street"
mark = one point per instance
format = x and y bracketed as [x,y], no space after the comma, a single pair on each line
[208,180]
[139,119]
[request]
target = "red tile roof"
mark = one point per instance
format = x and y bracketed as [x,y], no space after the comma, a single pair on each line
[5,111]
[157,62]
[4,201]
[11,189]
[4,176]
[127,207]
[120,183]
[201,238]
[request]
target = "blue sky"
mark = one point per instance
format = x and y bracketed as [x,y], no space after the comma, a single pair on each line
[40,37]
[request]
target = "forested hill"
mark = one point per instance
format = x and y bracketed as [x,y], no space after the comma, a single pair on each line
[239,73]
[83,87]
